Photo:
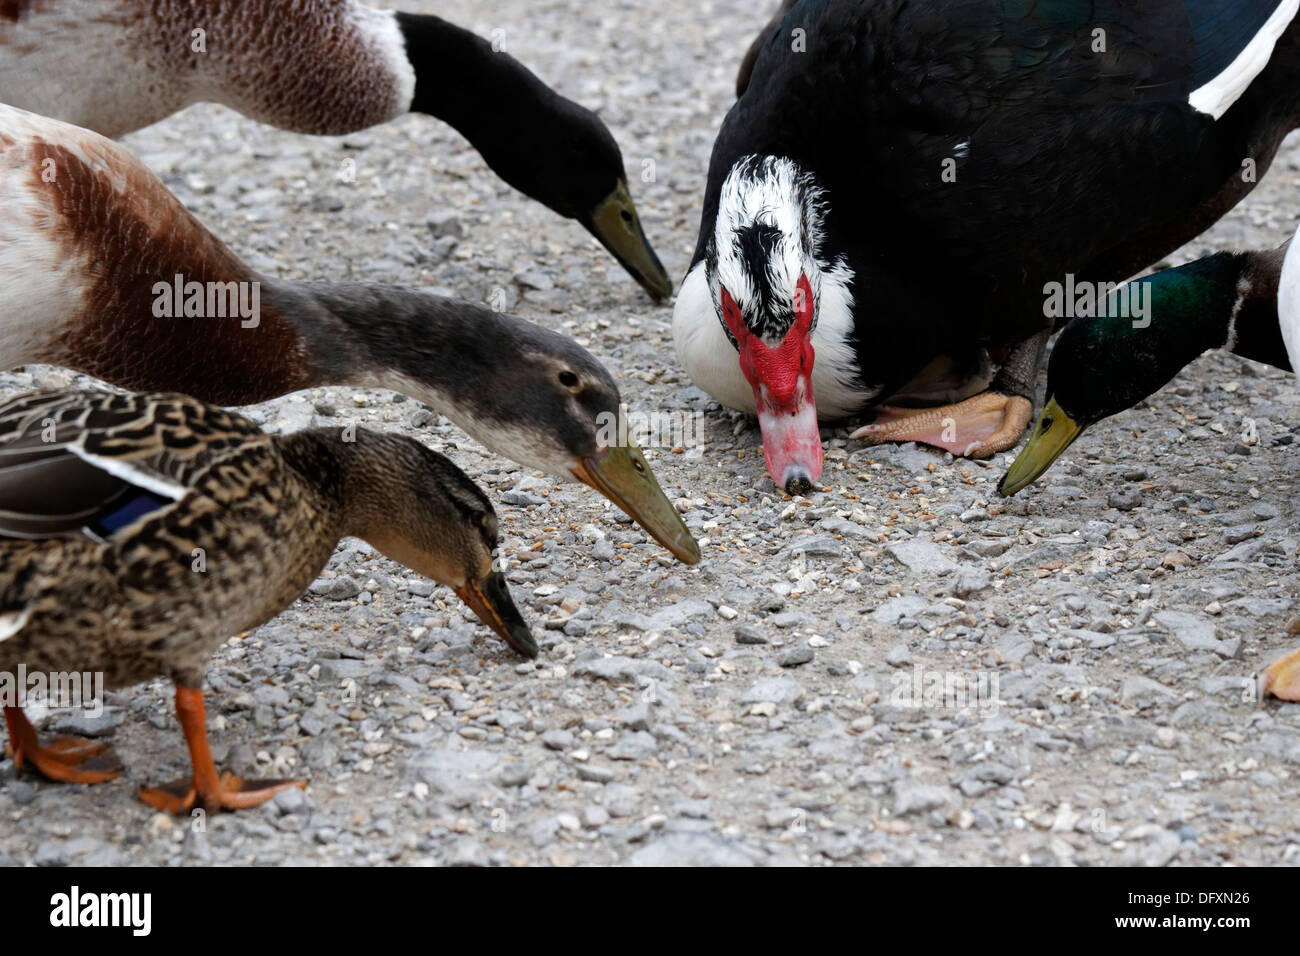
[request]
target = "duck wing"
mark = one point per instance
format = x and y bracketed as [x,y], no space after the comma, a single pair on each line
[89,464]
[771,30]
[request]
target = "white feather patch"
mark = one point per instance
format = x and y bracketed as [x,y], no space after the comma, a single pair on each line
[130,472]
[776,192]
[380,27]
[703,347]
[13,622]
[1217,96]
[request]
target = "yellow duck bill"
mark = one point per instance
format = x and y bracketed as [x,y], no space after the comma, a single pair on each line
[623,476]
[618,227]
[1055,432]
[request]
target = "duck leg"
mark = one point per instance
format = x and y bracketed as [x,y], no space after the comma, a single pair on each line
[978,427]
[207,789]
[1282,678]
[65,759]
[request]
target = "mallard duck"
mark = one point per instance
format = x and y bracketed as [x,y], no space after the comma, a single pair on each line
[104,271]
[1246,303]
[899,180]
[156,526]
[328,67]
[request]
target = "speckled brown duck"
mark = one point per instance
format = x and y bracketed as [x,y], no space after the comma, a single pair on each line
[104,271]
[325,67]
[144,530]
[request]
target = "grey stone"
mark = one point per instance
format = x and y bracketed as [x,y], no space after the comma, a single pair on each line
[795,656]
[79,724]
[895,609]
[913,797]
[557,739]
[1143,692]
[900,655]
[922,557]
[635,745]
[970,581]
[691,849]
[773,690]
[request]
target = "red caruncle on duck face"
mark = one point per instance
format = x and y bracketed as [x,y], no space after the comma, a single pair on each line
[781,376]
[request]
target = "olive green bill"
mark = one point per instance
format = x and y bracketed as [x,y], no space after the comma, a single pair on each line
[490,599]
[1055,432]
[622,475]
[618,227]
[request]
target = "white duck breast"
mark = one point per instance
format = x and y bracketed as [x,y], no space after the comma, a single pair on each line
[1288,302]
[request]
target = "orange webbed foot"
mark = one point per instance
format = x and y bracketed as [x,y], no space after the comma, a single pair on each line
[231,793]
[70,760]
[64,759]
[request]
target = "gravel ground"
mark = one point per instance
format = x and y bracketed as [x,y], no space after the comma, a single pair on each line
[760,708]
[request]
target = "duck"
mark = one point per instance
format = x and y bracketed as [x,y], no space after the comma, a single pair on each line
[329,67]
[140,531]
[899,181]
[1246,303]
[104,271]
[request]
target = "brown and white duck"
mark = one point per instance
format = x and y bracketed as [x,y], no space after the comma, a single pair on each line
[327,67]
[104,271]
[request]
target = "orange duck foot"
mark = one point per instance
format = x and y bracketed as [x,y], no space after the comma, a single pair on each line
[1282,678]
[982,425]
[64,759]
[230,793]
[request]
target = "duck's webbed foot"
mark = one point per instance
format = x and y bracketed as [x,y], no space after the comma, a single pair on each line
[230,792]
[981,426]
[206,789]
[65,759]
[1282,678]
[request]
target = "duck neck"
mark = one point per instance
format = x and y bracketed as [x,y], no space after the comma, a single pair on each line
[1226,301]
[516,122]
[468,362]
[1257,332]
[1150,331]
[327,461]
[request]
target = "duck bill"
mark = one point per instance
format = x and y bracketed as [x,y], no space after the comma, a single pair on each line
[490,599]
[792,442]
[623,476]
[1054,432]
[618,227]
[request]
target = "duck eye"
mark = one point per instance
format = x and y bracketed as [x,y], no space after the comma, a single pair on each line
[568,379]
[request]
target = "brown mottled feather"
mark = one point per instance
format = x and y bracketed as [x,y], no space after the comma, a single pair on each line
[257,520]
[134,607]
[303,65]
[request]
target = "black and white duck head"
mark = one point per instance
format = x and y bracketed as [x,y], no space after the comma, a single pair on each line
[775,334]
